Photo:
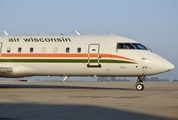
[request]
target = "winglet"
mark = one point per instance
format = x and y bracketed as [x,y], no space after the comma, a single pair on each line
[6,34]
[78,33]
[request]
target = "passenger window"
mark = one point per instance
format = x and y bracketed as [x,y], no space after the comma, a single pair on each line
[79,50]
[124,46]
[31,50]
[55,49]
[67,50]
[19,49]
[43,49]
[8,50]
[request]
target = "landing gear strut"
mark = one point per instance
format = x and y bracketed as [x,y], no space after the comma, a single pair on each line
[139,85]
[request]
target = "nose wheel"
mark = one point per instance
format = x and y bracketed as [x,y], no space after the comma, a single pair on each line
[139,85]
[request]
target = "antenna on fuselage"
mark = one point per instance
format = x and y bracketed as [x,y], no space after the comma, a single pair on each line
[6,34]
[78,33]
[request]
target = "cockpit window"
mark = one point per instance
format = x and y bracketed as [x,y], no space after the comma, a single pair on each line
[131,46]
[139,46]
[124,46]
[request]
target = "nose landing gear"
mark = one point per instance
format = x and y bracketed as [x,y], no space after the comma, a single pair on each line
[139,85]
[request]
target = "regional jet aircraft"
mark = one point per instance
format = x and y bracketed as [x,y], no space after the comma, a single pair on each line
[81,55]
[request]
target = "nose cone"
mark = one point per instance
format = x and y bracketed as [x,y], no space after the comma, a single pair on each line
[159,64]
[169,66]
[165,66]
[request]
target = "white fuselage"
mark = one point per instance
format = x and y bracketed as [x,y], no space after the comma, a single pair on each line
[23,56]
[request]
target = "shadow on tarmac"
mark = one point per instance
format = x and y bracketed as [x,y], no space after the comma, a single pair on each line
[59,87]
[68,112]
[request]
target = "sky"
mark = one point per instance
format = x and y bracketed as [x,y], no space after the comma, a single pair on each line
[153,23]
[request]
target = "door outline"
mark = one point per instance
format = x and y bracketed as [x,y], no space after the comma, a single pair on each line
[0,48]
[93,55]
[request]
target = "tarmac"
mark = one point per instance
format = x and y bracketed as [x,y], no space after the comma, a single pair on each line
[88,101]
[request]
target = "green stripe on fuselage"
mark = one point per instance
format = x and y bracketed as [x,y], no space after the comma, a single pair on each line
[65,61]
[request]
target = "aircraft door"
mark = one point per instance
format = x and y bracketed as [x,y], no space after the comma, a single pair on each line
[0,48]
[93,55]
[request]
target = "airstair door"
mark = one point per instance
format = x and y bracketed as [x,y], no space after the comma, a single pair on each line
[93,55]
[0,48]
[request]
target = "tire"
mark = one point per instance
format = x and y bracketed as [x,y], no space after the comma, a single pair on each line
[139,87]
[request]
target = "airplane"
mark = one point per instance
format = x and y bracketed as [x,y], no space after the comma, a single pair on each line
[79,55]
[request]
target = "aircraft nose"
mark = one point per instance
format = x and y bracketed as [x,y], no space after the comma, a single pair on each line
[167,66]
[161,65]
[170,66]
